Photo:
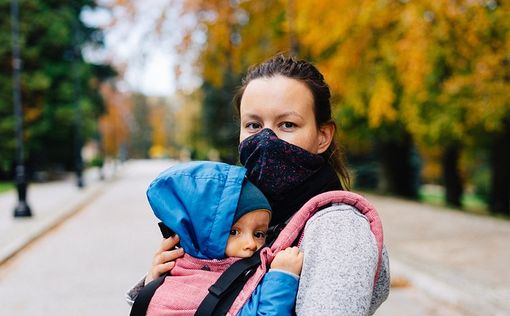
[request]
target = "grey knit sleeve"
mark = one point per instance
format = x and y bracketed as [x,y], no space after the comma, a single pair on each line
[339,265]
[132,294]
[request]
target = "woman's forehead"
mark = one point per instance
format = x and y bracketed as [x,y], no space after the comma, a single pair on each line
[279,95]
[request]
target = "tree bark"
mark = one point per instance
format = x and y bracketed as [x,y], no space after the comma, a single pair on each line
[400,171]
[451,175]
[500,171]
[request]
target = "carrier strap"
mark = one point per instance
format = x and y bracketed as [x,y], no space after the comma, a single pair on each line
[145,295]
[295,228]
[227,287]
[142,301]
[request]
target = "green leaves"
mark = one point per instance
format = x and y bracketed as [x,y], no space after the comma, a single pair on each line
[50,32]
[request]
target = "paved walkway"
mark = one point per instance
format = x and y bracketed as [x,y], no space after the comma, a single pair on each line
[457,259]
[51,203]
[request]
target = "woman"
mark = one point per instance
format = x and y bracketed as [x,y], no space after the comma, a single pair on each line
[287,145]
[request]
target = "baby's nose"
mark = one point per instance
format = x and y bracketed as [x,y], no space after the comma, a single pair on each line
[250,244]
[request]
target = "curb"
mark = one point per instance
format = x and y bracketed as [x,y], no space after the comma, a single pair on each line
[27,230]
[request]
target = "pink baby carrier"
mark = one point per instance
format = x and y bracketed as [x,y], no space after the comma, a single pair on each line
[191,281]
[294,229]
[182,292]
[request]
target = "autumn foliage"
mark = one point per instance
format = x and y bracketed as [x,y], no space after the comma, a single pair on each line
[408,77]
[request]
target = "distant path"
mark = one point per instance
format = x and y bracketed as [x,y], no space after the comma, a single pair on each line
[454,256]
[85,265]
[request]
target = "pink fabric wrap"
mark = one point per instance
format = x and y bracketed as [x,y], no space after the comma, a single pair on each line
[291,232]
[183,291]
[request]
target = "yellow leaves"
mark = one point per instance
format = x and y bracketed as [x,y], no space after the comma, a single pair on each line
[438,67]
[380,107]
[157,118]
[490,105]
[322,24]
[412,50]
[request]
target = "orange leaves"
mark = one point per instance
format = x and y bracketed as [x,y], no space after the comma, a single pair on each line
[380,107]
[412,50]
[114,123]
[320,24]
[436,67]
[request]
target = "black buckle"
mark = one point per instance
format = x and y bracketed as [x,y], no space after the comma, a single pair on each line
[216,291]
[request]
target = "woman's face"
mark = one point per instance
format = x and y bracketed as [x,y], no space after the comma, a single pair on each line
[285,106]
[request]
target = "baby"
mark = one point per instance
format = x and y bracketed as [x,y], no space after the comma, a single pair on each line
[220,217]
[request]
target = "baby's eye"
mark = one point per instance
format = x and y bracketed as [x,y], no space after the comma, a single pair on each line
[234,232]
[260,235]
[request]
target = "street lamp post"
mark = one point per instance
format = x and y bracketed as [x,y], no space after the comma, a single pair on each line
[78,143]
[22,209]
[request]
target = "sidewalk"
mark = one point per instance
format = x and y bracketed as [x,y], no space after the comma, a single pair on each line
[454,257]
[457,258]
[51,203]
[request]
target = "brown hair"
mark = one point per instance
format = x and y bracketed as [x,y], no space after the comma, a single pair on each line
[307,73]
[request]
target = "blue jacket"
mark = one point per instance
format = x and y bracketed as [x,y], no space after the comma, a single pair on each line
[198,200]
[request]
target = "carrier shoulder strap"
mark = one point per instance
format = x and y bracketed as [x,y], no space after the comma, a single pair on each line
[142,301]
[145,295]
[228,286]
[293,230]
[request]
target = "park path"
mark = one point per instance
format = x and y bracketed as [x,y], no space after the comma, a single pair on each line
[439,259]
[455,257]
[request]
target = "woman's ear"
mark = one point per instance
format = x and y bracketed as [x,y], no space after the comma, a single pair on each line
[326,134]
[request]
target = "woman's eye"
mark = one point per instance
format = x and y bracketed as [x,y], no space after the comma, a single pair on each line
[287,125]
[252,125]
[260,235]
[234,232]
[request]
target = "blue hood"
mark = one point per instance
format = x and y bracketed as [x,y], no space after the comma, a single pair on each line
[198,200]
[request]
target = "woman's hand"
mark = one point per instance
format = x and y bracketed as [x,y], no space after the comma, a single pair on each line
[164,258]
[290,260]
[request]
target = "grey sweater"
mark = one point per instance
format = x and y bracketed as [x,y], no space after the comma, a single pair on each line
[340,260]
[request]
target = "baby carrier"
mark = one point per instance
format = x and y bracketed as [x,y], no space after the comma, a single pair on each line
[234,287]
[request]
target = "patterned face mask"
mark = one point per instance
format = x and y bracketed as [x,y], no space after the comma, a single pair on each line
[274,165]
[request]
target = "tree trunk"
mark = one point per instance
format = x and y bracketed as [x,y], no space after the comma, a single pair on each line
[400,171]
[451,175]
[500,170]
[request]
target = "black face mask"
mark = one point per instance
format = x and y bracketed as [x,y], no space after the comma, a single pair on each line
[288,175]
[274,165]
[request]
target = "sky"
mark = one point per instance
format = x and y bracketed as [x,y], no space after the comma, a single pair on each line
[149,59]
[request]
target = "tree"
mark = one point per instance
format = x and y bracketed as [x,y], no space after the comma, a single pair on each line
[407,76]
[433,69]
[53,75]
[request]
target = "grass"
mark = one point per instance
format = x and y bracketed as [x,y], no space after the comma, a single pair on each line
[6,186]
[435,195]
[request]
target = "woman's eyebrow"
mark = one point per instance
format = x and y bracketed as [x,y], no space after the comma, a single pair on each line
[251,116]
[287,114]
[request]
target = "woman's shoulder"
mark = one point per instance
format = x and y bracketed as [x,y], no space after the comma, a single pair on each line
[338,222]
[337,211]
[349,211]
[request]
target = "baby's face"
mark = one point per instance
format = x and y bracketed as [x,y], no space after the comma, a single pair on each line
[248,234]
